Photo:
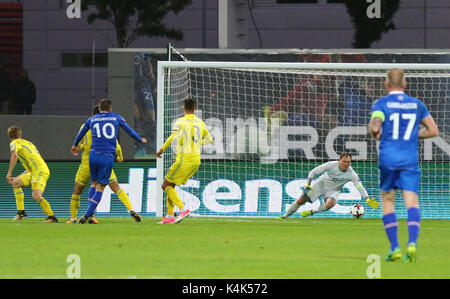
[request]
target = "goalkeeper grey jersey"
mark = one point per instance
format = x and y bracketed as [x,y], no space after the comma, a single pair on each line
[332,178]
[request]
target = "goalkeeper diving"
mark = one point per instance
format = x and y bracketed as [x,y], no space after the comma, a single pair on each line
[332,176]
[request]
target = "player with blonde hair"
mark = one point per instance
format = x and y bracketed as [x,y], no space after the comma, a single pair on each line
[395,122]
[36,174]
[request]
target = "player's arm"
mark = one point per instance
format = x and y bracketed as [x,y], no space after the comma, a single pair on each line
[315,173]
[318,171]
[174,133]
[82,143]
[362,190]
[430,128]
[119,154]
[376,120]
[375,125]
[81,146]
[80,135]
[12,163]
[132,133]
[206,136]
[166,144]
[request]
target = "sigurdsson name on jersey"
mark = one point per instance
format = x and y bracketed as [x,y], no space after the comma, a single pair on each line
[104,118]
[402,105]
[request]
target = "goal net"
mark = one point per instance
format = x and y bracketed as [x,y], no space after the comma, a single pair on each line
[272,123]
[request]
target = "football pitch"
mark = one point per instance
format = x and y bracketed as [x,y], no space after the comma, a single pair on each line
[217,248]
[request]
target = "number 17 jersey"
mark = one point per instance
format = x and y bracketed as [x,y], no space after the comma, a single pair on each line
[401,116]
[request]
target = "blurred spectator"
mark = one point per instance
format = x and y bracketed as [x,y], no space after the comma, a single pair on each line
[311,93]
[358,101]
[312,101]
[306,100]
[5,90]
[144,109]
[305,103]
[24,95]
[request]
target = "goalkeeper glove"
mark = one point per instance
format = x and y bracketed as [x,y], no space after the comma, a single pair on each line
[372,202]
[307,190]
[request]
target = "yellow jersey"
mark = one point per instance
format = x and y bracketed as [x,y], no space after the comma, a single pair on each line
[85,146]
[189,133]
[28,155]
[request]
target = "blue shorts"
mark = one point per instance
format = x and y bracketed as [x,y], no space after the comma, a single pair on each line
[405,179]
[100,167]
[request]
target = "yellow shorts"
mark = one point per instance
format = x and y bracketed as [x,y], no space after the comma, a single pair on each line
[37,179]
[183,168]
[83,176]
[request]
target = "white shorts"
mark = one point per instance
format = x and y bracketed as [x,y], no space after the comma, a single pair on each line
[318,190]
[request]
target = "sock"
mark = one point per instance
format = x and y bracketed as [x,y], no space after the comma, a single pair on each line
[391,227]
[91,192]
[124,199]
[18,193]
[413,224]
[46,207]
[173,195]
[93,203]
[170,207]
[74,205]
[291,209]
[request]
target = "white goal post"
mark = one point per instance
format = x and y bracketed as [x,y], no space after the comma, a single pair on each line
[273,122]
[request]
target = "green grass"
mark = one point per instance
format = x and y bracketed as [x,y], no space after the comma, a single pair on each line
[217,248]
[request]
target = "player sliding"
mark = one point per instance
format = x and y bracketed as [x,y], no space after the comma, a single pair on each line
[332,176]
[104,127]
[189,133]
[396,120]
[83,177]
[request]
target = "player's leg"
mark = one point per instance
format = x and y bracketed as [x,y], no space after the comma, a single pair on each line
[82,178]
[75,202]
[169,218]
[412,206]
[314,194]
[172,200]
[179,174]
[38,183]
[388,186]
[296,205]
[91,194]
[304,198]
[45,205]
[187,171]
[123,197]
[328,202]
[94,200]
[91,205]
[391,224]
[100,168]
[17,184]
[410,180]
